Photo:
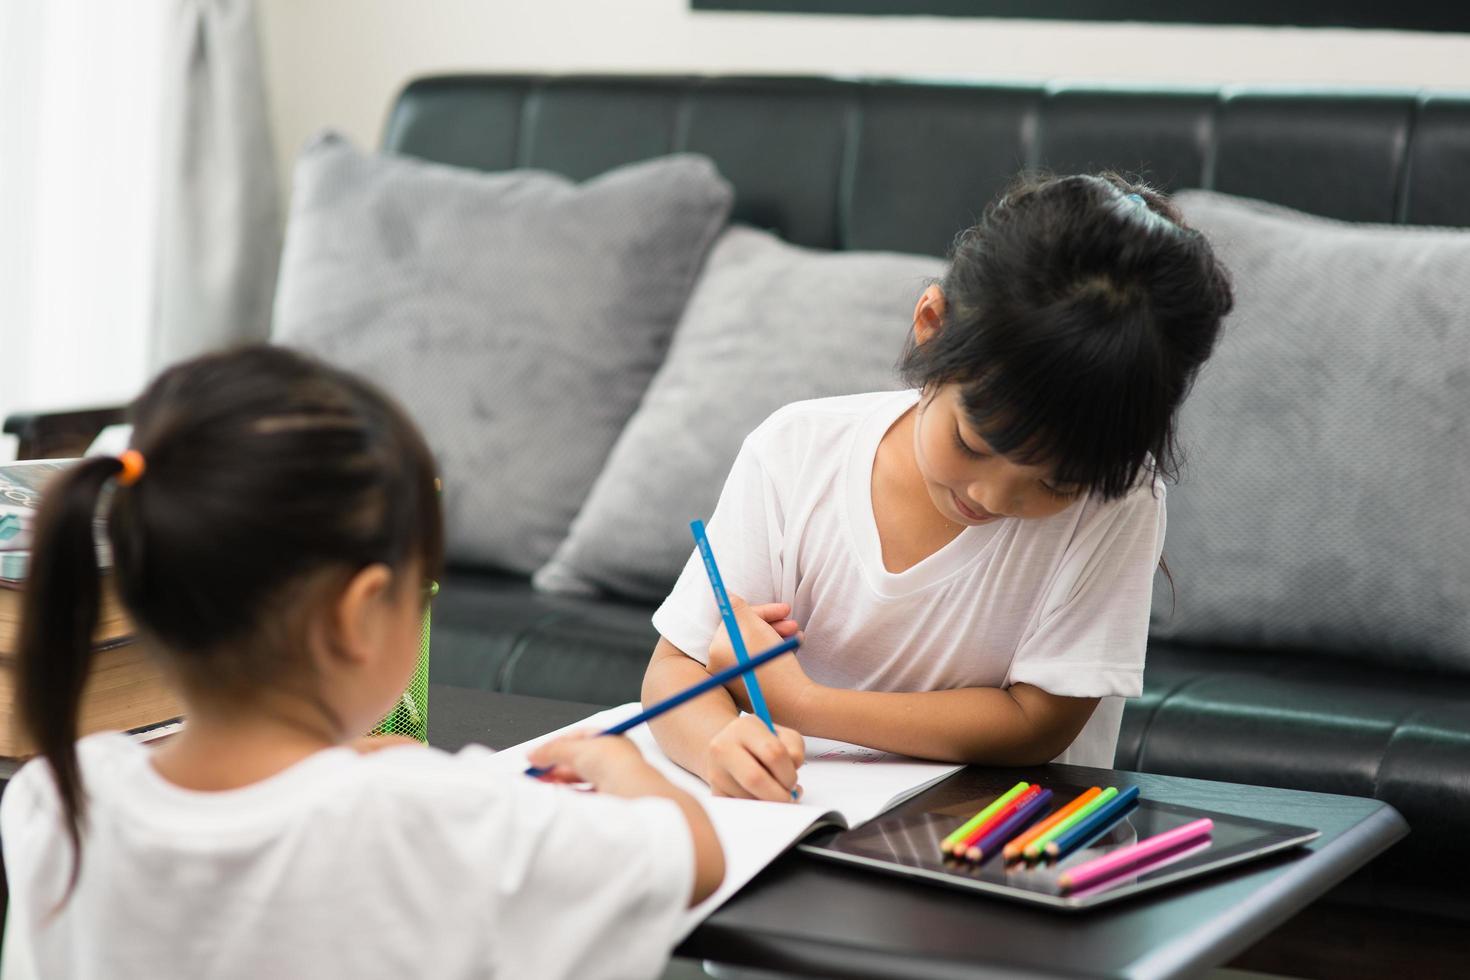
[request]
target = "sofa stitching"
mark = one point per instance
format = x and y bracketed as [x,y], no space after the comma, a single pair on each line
[683,117]
[1028,130]
[1398,729]
[1405,173]
[852,134]
[1148,725]
[530,117]
[519,647]
[1208,134]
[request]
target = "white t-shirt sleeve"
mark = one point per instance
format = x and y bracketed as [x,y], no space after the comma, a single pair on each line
[29,807]
[583,885]
[1093,631]
[745,534]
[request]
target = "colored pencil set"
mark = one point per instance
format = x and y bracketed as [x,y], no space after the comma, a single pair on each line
[1017,824]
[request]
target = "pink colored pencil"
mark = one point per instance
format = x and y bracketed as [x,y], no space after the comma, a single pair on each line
[1110,864]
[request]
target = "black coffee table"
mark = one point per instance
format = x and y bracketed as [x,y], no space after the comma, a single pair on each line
[811,917]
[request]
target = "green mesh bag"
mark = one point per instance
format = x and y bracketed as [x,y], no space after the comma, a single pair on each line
[410,716]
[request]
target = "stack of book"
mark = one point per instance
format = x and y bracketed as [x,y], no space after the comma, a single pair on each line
[125,689]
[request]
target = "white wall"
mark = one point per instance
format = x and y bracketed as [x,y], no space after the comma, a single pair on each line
[340,62]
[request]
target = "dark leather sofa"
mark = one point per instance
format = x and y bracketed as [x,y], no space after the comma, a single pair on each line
[877,165]
[886,165]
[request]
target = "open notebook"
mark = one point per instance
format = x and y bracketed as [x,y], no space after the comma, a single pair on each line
[843,785]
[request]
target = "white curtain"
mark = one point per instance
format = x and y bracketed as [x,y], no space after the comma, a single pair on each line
[138,213]
[219,234]
[79,193]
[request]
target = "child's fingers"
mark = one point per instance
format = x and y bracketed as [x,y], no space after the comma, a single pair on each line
[766,612]
[757,622]
[756,781]
[771,612]
[562,774]
[771,753]
[721,783]
[793,743]
[738,761]
[787,628]
[556,772]
[560,752]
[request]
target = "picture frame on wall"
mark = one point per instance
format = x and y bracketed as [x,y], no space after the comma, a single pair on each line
[1406,15]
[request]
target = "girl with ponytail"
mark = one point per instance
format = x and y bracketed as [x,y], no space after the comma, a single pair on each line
[275,531]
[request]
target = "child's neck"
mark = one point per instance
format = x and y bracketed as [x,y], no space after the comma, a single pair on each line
[223,750]
[909,528]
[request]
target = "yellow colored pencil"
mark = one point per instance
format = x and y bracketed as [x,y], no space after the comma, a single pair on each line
[949,843]
[1014,848]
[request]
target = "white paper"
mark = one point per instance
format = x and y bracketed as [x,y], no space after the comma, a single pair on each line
[856,782]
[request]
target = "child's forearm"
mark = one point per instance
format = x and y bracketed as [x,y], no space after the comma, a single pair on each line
[709,855]
[1019,725]
[685,734]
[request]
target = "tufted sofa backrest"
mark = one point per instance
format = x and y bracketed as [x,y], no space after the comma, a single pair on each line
[898,165]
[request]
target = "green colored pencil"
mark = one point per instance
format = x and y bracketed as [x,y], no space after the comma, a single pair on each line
[1034,849]
[947,845]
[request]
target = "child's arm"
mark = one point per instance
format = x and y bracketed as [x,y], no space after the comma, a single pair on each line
[685,735]
[737,756]
[1018,725]
[614,766]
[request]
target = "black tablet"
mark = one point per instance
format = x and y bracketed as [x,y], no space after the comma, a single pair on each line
[905,841]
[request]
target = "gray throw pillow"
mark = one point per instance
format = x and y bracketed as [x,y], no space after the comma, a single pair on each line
[768,324]
[1322,503]
[518,316]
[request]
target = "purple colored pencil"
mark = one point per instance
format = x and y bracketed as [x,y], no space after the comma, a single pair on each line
[995,840]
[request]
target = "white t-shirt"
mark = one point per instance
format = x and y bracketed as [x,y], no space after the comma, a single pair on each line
[407,862]
[1061,602]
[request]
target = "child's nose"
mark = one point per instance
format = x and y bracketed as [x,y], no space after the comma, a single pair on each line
[1002,497]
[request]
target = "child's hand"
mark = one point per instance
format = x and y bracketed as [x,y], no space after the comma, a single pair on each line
[783,681]
[746,761]
[611,763]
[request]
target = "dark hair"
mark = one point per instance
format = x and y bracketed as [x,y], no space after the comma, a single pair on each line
[264,469]
[1078,312]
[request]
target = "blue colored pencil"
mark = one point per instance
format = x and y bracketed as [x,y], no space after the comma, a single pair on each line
[997,838]
[722,599]
[674,700]
[1100,821]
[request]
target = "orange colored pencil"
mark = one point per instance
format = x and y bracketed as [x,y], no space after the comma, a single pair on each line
[1014,848]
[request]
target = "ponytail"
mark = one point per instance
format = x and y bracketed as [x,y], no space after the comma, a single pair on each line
[60,616]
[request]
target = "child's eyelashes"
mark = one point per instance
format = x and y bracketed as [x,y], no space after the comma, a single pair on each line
[1060,492]
[966,448]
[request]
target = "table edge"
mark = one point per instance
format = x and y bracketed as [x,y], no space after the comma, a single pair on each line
[1215,942]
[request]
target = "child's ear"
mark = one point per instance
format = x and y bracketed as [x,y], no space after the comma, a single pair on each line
[356,619]
[929,315]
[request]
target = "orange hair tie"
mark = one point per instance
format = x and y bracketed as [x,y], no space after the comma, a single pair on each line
[132,468]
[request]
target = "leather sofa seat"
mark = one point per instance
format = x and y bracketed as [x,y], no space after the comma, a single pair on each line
[494,632]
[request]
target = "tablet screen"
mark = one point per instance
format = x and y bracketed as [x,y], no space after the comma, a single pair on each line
[906,841]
